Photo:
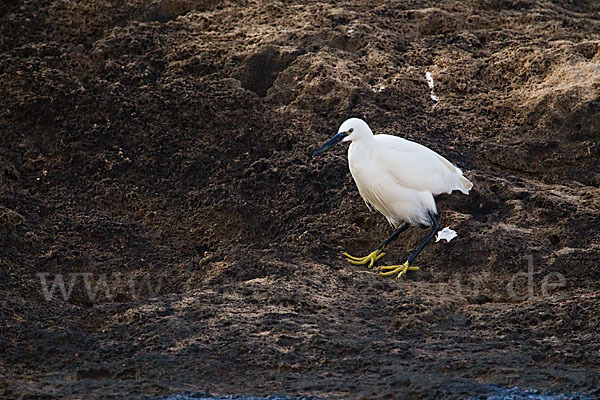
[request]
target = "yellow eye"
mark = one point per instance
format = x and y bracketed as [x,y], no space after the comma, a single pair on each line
[350,130]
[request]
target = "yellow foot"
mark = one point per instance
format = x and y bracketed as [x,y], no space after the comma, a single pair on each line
[399,269]
[371,258]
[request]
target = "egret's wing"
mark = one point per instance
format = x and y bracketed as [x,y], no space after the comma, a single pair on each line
[417,167]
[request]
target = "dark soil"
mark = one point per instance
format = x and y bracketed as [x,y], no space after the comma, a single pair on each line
[161,150]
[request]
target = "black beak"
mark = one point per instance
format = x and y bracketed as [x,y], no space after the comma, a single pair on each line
[337,138]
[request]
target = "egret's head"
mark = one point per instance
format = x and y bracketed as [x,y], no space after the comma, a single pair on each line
[355,129]
[351,129]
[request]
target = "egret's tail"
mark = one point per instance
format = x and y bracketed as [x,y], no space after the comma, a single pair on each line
[466,184]
[463,184]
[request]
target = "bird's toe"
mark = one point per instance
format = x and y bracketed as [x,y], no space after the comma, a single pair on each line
[351,257]
[397,269]
[368,259]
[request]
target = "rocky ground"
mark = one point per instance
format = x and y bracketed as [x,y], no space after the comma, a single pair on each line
[155,159]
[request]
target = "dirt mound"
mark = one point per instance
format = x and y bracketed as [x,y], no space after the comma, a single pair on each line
[164,229]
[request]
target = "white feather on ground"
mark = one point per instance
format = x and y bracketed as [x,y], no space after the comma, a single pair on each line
[447,234]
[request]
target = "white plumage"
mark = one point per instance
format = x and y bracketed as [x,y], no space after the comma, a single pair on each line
[398,177]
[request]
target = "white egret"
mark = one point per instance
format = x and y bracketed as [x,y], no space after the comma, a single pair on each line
[398,178]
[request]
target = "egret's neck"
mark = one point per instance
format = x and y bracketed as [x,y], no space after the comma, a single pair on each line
[361,149]
[364,142]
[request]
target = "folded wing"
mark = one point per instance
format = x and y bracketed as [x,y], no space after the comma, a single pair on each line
[417,167]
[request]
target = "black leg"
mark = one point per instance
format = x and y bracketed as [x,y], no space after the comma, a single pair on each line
[394,236]
[377,253]
[434,229]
